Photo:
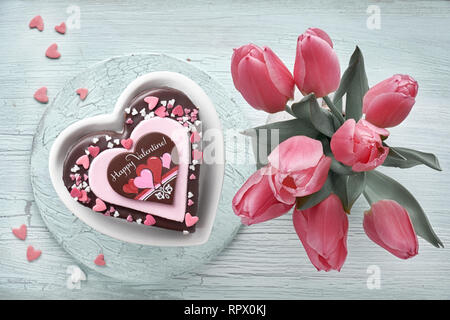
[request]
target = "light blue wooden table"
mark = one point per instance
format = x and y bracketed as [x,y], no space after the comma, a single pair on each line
[267,260]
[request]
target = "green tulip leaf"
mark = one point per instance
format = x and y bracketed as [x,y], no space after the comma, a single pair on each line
[381,187]
[410,158]
[301,109]
[354,85]
[265,138]
[310,201]
[349,187]
[321,119]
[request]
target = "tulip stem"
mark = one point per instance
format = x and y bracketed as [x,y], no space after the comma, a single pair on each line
[334,110]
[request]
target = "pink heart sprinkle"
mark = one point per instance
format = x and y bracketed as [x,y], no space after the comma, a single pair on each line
[85,177]
[149,220]
[161,112]
[169,106]
[197,155]
[61,28]
[152,101]
[178,111]
[190,202]
[83,198]
[52,52]
[100,260]
[82,92]
[75,193]
[37,22]
[195,137]
[78,180]
[20,232]
[166,160]
[84,161]
[33,254]
[129,121]
[112,209]
[72,176]
[192,177]
[190,220]
[41,95]
[145,180]
[187,110]
[93,151]
[130,218]
[99,205]
[127,143]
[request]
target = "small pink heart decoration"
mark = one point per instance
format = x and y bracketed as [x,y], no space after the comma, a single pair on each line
[84,161]
[152,102]
[166,160]
[178,111]
[149,220]
[127,143]
[93,151]
[99,205]
[20,232]
[37,22]
[82,92]
[161,112]
[52,52]
[41,95]
[61,28]
[33,254]
[100,260]
[145,180]
[190,220]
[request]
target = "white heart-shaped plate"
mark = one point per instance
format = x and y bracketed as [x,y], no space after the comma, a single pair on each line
[211,174]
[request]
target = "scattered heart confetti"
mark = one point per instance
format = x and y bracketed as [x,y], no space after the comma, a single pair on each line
[100,260]
[161,112]
[190,220]
[93,151]
[127,143]
[82,92]
[99,205]
[149,220]
[37,22]
[33,254]
[61,28]
[20,232]
[152,102]
[52,52]
[41,95]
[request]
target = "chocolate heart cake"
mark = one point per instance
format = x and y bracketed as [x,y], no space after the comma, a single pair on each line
[149,172]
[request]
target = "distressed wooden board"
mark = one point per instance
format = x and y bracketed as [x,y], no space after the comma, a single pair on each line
[266,260]
[126,261]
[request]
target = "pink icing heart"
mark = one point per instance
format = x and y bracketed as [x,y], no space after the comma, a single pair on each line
[41,95]
[145,180]
[190,202]
[84,161]
[161,112]
[197,155]
[75,193]
[127,143]
[83,197]
[178,111]
[52,52]
[149,220]
[20,232]
[192,177]
[100,260]
[190,220]
[93,151]
[166,160]
[99,205]
[152,101]
[33,254]
[61,28]
[37,22]
[130,218]
[195,137]
[82,92]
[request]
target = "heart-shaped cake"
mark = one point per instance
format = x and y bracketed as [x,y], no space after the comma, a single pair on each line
[147,173]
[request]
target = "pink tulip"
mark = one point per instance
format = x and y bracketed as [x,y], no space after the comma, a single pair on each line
[255,201]
[299,168]
[316,68]
[388,224]
[389,102]
[359,145]
[262,78]
[322,230]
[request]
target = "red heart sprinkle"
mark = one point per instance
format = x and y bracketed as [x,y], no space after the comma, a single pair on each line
[20,232]
[190,220]
[100,260]
[33,254]
[99,205]
[130,187]
[52,52]
[61,28]
[127,143]
[37,22]
[41,95]
[93,151]
[82,92]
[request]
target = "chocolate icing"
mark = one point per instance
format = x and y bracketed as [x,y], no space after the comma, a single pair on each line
[136,106]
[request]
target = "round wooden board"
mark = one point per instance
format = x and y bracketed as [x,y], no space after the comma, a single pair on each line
[126,261]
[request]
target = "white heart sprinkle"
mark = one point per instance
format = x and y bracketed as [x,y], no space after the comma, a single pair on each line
[75,198]
[134,112]
[193,129]
[116,141]
[185,119]
[190,194]
[107,138]
[74,186]
[110,145]
[75,168]
[142,112]
[194,162]
[127,110]
[185,232]
[88,189]
[164,102]
[95,140]
[172,102]
[139,221]
[194,146]
[192,167]
[87,152]
[84,184]
[197,122]
[116,214]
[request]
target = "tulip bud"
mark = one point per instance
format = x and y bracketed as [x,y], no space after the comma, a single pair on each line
[389,102]
[262,78]
[359,145]
[255,201]
[316,68]
[388,224]
[300,168]
[322,230]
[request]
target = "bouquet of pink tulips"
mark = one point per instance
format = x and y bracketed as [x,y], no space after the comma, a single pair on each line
[327,154]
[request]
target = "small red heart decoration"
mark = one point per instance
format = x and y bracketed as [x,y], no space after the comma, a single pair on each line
[61,28]
[52,52]
[33,254]
[130,187]
[100,260]
[20,232]
[41,95]
[37,22]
